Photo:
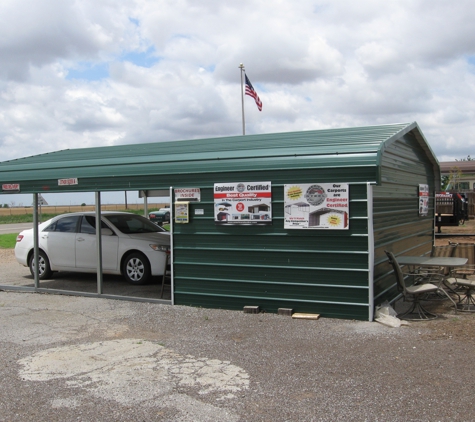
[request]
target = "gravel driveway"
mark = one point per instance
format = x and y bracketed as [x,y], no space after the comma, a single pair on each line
[68,358]
[84,359]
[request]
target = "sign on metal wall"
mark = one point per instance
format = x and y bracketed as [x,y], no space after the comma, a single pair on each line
[316,206]
[243,203]
[423,200]
[11,187]
[187,194]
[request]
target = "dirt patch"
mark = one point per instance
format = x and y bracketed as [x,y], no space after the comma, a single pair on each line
[465,233]
[7,256]
[460,326]
[453,327]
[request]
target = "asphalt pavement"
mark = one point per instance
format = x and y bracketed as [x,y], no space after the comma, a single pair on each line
[14,228]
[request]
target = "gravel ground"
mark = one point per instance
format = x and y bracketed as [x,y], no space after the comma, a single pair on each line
[84,359]
[68,358]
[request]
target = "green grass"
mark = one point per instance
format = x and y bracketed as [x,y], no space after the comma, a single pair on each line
[7,241]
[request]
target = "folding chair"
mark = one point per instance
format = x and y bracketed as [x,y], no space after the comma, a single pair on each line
[413,293]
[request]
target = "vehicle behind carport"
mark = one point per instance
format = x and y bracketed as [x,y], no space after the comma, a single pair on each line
[160,217]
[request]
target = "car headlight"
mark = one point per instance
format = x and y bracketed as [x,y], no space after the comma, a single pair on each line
[160,248]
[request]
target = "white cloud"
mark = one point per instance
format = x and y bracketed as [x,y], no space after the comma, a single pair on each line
[314,64]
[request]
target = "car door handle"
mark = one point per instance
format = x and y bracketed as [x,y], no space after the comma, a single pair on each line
[80,239]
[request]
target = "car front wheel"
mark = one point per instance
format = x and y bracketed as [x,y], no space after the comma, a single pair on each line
[43,266]
[136,268]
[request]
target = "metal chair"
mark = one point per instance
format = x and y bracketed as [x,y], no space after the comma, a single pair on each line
[467,301]
[460,277]
[437,275]
[414,293]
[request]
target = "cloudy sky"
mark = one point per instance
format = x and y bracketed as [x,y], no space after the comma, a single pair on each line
[83,73]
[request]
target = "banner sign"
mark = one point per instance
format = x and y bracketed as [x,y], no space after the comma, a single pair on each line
[316,206]
[243,203]
[423,200]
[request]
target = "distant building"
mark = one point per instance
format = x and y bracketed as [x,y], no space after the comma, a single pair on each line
[461,175]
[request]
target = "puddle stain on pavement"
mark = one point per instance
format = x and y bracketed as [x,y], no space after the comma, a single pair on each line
[132,371]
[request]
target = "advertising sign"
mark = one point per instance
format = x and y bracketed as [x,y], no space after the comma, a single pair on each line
[316,206]
[243,203]
[182,212]
[423,200]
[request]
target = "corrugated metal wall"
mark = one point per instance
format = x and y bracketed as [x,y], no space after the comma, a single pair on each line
[316,271]
[397,224]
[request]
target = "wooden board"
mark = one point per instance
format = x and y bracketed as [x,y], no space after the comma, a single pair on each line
[298,315]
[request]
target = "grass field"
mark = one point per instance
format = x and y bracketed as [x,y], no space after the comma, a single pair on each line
[7,241]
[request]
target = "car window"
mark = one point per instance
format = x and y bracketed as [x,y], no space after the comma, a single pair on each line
[64,225]
[130,223]
[88,224]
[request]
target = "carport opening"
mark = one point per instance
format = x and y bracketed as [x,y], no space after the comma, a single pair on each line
[81,232]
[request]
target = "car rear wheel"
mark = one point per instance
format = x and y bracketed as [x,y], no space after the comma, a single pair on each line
[136,268]
[43,266]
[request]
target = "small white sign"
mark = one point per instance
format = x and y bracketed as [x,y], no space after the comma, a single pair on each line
[423,200]
[11,187]
[68,182]
[199,212]
[188,194]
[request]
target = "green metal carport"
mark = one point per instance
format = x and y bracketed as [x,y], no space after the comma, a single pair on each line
[336,273]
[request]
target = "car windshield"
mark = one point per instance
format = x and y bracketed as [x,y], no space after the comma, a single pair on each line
[131,223]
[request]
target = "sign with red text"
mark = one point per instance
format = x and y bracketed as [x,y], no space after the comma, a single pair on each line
[316,206]
[68,182]
[11,187]
[187,194]
[423,200]
[243,203]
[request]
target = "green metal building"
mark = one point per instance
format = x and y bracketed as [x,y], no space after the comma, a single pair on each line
[336,273]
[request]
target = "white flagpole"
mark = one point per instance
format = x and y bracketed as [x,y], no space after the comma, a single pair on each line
[241,66]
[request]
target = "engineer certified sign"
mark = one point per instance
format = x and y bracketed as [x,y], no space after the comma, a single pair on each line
[243,203]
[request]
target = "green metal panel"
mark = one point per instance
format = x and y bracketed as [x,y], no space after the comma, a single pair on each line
[397,224]
[319,271]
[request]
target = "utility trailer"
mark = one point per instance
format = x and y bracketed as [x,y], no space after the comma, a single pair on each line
[451,209]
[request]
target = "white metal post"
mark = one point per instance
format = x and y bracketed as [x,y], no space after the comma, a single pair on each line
[99,243]
[241,66]
[35,240]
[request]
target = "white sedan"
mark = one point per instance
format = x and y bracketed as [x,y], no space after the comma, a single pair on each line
[131,245]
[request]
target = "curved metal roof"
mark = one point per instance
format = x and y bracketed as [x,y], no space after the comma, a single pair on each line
[330,148]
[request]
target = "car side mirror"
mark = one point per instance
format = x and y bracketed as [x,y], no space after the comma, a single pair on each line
[107,232]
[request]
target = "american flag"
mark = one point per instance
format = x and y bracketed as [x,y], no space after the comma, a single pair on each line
[252,93]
